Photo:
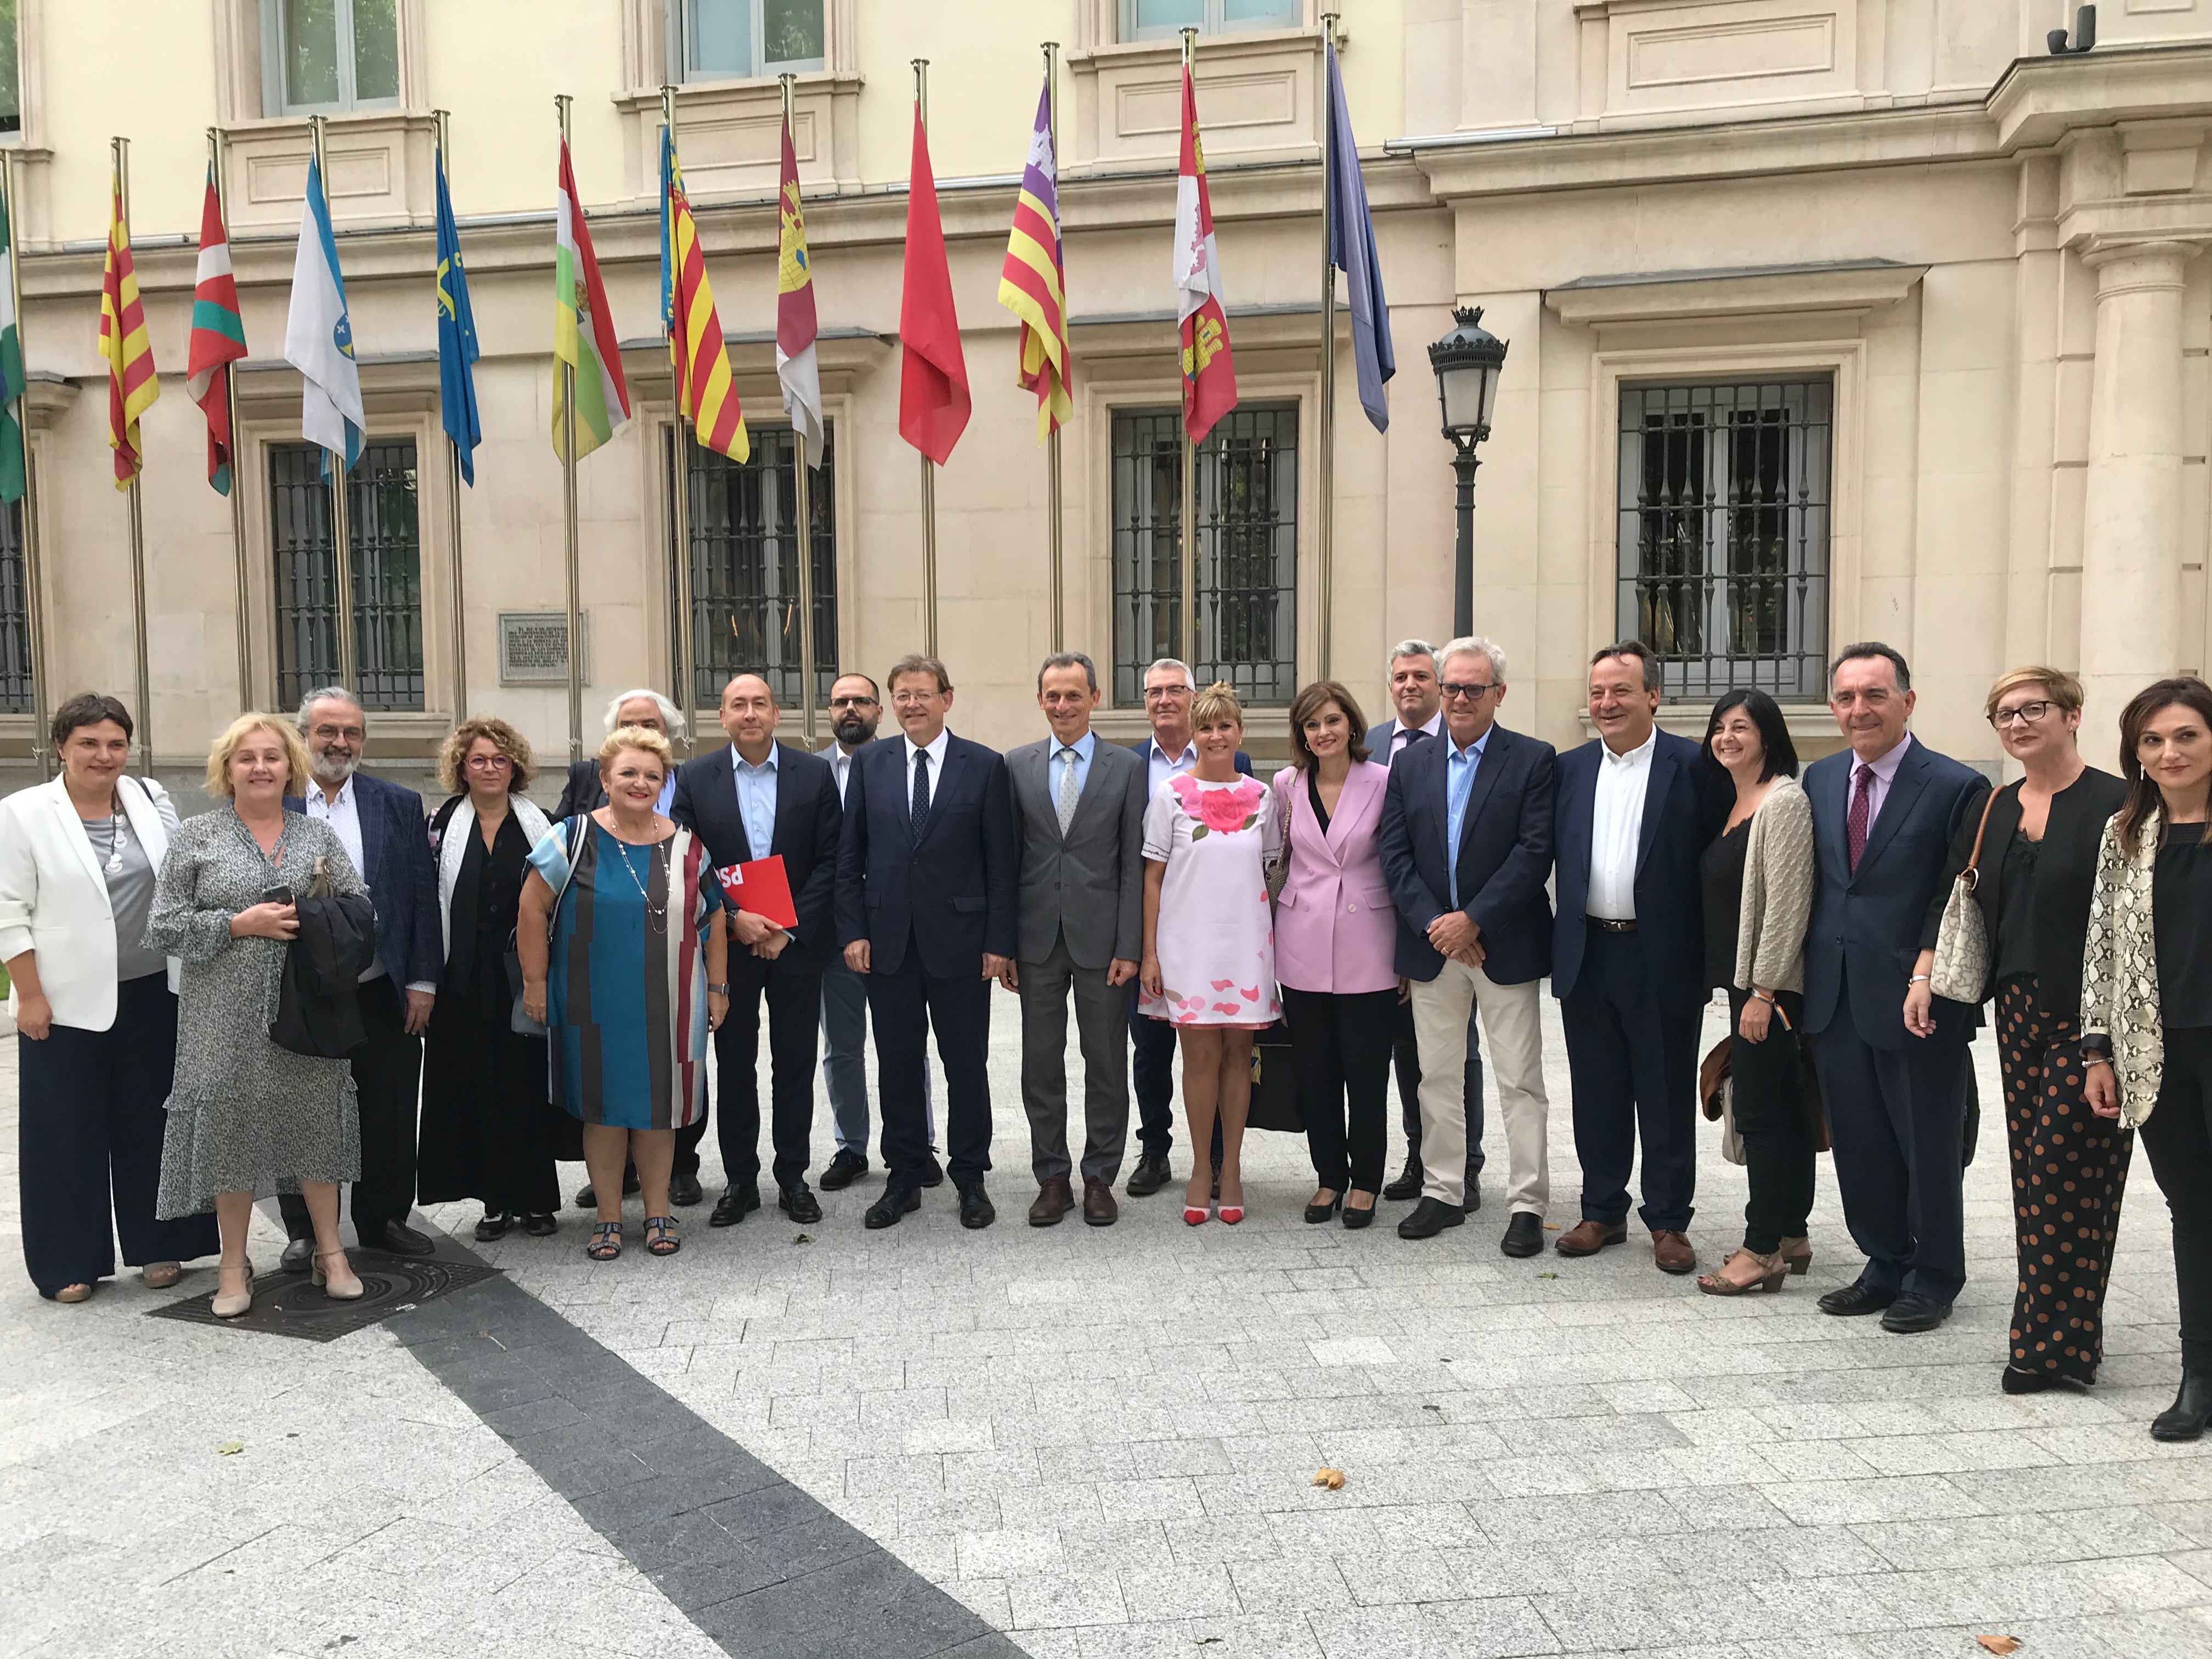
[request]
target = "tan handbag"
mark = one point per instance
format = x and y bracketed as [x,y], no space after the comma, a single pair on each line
[1961,970]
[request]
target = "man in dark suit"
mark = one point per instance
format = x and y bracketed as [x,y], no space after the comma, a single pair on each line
[1169,750]
[383,829]
[1466,841]
[925,910]
[1885,811]
[1628,965]
[1079,820]
[758,799]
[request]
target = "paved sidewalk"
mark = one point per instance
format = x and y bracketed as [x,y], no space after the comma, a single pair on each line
[1102,1442]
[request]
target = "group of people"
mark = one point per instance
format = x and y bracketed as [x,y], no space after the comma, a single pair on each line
[546,987]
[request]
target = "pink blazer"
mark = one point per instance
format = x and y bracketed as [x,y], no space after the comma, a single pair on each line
[1334,928]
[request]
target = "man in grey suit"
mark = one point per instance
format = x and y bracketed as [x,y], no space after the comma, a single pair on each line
[1079,823]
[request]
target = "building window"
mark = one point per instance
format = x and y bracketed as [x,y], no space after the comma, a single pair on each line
[1247,552]
[1723,533]
[1163,20]
[11,80]
[14,618]
[733,39]
[320,57]
[382,503]
[744,568]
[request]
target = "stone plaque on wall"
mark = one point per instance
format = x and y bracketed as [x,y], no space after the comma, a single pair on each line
[533,647]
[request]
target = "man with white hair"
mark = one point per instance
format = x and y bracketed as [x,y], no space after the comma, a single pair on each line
[583,792]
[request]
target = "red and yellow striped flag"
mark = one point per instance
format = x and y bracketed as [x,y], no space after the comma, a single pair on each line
[695,348]
[132,383]
[1032,282]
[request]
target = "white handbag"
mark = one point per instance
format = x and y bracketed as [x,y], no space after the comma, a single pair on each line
[1960,972]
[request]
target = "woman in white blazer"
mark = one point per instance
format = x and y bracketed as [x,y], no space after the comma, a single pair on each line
[95,1010]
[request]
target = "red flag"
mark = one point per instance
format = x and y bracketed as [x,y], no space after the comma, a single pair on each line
[933,402]
[1209,375]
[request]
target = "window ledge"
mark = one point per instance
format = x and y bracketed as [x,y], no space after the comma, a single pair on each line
[1258,96]
[1843,286]
[730,134]
[377,163]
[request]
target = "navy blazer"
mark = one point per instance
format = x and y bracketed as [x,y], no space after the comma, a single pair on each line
[954,894]
[1683,809]
[807,820]
[1867,926]
[1504,853]
[402,878]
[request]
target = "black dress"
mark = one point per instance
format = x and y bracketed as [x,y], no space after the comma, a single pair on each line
[488,1132]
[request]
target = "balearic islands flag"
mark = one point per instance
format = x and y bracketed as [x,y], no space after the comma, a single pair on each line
[318,335]
[1352,249]
[1209,377]
[584,337]
[218,337]
[795,330]
[132,385]
[12,383]
[695,347]
[933,402]
[1033,283]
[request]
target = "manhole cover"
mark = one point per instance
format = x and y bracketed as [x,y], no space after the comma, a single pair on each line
[287,1304]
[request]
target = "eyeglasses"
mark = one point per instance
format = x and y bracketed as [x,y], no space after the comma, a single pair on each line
[1472,693]
[1162,693]
[350,733]
[852,702]
[2027,713]
[489,764]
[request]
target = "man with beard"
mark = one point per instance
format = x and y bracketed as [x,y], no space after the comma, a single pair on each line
[382,828]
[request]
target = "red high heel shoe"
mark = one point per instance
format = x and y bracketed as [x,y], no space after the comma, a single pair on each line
[1193,1217]
[1231,1214]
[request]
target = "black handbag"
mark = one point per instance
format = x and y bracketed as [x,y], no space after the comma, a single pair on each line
[1275,1082]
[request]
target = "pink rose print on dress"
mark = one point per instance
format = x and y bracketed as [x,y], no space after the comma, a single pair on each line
[1224,810]
[1228,1007]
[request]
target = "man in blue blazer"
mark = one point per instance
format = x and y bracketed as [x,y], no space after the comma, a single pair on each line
[1885,811]
[926,871]
[386,834]
[1637,807]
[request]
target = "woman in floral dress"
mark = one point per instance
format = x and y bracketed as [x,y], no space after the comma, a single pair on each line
[1209,963]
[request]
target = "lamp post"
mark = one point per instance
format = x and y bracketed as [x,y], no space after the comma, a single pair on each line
[1466,361]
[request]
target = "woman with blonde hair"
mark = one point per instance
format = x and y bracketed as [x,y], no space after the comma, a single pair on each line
[246,1116]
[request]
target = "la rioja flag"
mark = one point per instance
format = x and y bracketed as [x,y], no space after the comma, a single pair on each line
[1209,378]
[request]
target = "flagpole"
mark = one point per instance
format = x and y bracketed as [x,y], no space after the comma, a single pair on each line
[687,690]
[243,597]
[120,148]
[561,102]
[1052,443]
[1326,539]
[341,507]
[453,493]
[803,503]
[1189,503]
[34,630]
[928,466]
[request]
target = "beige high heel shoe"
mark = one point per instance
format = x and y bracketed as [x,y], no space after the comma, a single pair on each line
[1797,1254]
[230,1307]
[321,1280]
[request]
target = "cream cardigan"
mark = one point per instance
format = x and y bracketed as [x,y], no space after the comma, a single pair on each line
[1778,873]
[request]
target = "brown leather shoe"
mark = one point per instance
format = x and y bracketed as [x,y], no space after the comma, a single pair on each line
[1672,1252]
[1054,1198]
[1588,1237]
[1099,1209]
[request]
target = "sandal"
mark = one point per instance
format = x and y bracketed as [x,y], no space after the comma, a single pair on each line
[660,1237]
[161,1275]
[1773,1269]
[607,1242]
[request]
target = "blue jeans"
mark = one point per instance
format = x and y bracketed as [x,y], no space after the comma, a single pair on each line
[844,1060]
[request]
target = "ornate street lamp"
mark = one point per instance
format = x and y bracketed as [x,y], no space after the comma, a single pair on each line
[1467,361]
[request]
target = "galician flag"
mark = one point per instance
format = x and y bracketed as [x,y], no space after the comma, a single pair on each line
[12,383]
[1033,283]
[695,347]
[1209,378]
[584,336]
[318,335]
[132,384]
[218,337]
[795,330]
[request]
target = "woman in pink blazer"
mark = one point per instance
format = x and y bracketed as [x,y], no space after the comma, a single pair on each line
[1335,936]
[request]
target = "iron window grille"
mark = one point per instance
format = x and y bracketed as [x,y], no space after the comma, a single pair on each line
[744,567]
[1247,553]
[1723,539]
[14,618]
[384,510]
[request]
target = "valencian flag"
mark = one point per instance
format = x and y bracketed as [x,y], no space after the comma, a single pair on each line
[318,335]
[1209,378]
[1033,283]
[795,367]
[1351,250]
[584,335]
[12,383]
[132,385]
[703,389]
[218,338]
[456,339]
[934,403]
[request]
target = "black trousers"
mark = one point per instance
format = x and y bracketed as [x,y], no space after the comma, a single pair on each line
[1897,1117]
[387,1076]
[1341,1044]
[92,1111]
[1406,1055]
[1152,1049]
[905,1007]
[792,992]
[1773,1122]
[1634,1067]
[2178,1138]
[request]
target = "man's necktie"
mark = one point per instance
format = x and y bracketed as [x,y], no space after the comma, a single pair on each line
[1068,793]
[921,814]
[1855,821]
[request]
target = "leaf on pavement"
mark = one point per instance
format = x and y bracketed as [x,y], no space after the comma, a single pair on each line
[230,1449]
[1332,1479]
[1998,1643]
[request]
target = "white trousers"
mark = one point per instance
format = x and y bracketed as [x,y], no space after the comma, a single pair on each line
[1512,1023]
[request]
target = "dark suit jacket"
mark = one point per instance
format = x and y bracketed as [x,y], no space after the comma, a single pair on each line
[402,878]
[1867,927]
[953,895]
[1504,853]
[807,821]
[582,793]
[1682,812]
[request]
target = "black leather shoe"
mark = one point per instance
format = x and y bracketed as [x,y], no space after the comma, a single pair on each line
[401,1239]
[797,1201]
[1909,1316]
[684,1189]
[976,1209]
[1355,1219]
[1317,1213]
[932,1173]
[297,1254]
[1474,1200]
[1408,1183]
[1431,1217]
[2185,1419]
[494,1226]
[846,1167]
[731,1207]
[1855,1299]
[886,1211]
[1150,1174]
[540,1226]
[1524,1234]
[586,1198]
[2012,1380]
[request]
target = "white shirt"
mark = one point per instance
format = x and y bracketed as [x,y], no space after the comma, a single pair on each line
[840,768]
[1617,828]
[936,751]
[1402,735]
[342,814]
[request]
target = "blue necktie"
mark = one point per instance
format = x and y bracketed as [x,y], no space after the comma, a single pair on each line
[920,815]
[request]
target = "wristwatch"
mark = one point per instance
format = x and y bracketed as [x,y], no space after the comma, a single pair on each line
[718,990]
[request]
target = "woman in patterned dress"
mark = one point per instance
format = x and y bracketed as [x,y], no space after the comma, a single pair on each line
[1209,965]
[623,958]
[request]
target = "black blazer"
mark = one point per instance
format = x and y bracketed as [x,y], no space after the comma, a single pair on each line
[807,820]
[953,895]
[583,792]
[1504,853]
[2065,872]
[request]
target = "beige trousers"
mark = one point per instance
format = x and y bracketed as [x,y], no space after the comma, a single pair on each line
[1513,1024]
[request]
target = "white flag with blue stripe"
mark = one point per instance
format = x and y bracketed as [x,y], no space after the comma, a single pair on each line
[318,338]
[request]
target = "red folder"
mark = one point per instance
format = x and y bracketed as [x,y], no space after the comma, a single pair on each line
[760,887]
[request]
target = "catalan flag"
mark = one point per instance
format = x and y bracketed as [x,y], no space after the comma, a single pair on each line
[1033,283]
[1209,375]
[796,368]
[218,337]
[584,337]
[132,384]
[703,389]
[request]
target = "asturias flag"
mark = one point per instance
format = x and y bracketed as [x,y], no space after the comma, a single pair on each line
[1351,250]
[933,402]
[584,335]
[1209,377]
[695,347]
[456,339]
[795,330]
[1033,282]
[218,337]
[12,383]
[318,335]
[132,385]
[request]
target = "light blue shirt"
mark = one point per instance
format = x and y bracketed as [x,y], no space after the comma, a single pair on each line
[1460,766]
[755,788]
[667,793]
[1085,747]
[1158,768]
